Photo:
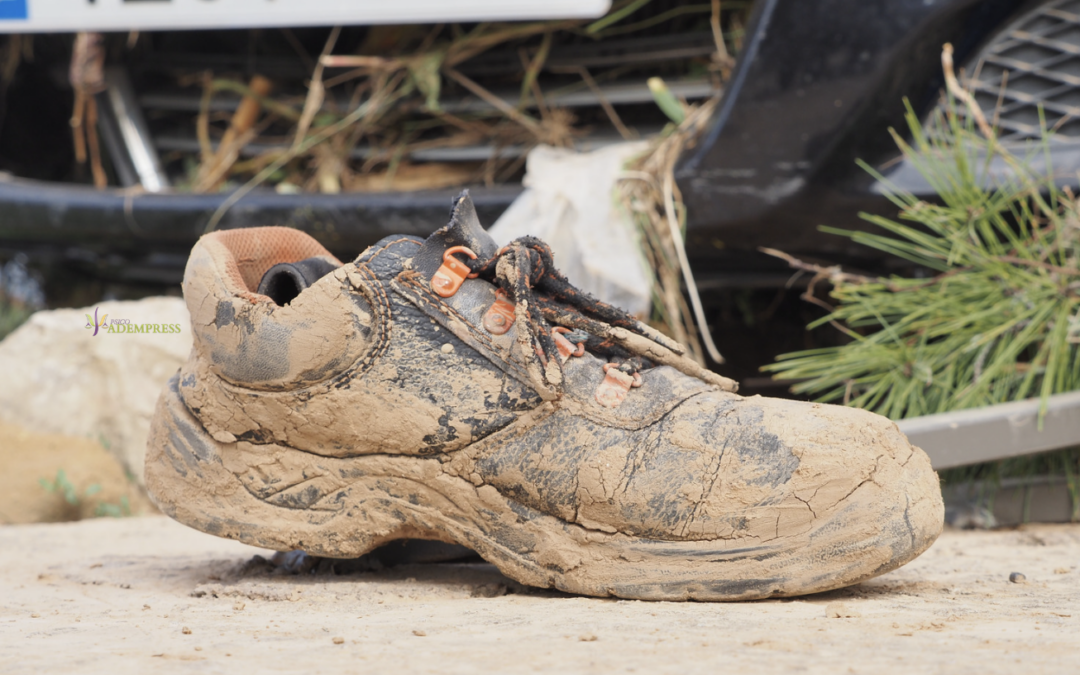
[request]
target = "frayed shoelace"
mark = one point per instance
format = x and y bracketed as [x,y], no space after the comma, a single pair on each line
[543,298]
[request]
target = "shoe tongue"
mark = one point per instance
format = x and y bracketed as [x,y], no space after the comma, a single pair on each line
[463,230]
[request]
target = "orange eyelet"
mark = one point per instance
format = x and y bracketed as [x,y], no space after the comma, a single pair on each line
[500,316]
[452,273]
[615,386]
[565,347]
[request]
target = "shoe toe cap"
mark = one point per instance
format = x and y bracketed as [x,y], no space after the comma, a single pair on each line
[736,468]
[839,481]
[812,496]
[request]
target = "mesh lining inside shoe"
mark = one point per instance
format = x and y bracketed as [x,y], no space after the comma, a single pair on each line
[255,250]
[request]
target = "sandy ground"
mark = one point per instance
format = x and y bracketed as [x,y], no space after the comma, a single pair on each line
[149,595]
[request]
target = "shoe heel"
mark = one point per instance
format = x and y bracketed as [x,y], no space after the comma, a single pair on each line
[188,477]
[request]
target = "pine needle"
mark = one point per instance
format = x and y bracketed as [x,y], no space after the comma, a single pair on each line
[998,320]
[993,324]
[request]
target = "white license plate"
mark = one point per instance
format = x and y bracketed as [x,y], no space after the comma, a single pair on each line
[46,16]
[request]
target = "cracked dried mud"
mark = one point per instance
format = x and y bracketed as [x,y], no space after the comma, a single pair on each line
[149,595]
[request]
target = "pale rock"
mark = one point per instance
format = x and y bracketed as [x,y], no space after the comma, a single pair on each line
[570,203]
[57,377]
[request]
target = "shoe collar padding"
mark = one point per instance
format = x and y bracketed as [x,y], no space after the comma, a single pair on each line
[247,339]
[245,255]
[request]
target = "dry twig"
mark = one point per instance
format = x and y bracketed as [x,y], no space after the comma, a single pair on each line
[649,191]
[87,76]
[239,134]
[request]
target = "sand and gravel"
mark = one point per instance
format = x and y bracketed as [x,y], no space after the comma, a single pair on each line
[148,595]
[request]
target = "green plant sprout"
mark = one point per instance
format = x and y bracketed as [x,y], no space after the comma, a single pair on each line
[106,510]
[61,485]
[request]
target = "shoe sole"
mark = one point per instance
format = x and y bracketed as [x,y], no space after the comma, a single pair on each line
[230,490]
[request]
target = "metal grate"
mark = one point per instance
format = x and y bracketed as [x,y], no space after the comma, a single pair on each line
[1035,62]
[171,98]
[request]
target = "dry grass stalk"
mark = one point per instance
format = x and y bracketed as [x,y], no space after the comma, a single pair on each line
[240,132]
[316,90]
[19,49]
[962,94]
[723,61]
[87,76]
[609,110]
[386,79]
[649,192]
[395,107]
[202,122]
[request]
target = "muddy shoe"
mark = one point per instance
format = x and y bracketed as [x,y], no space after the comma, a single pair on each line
[445,389]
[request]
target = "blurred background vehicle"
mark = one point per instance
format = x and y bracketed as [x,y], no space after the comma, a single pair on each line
[805,89]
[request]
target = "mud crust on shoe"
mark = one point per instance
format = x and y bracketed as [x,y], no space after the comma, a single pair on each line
[265,495]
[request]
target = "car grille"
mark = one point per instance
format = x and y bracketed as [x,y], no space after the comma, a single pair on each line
[1034,63]
[165,79]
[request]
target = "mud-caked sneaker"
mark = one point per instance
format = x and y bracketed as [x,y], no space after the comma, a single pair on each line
[450,390]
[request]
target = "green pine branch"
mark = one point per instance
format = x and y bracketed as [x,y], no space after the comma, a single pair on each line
[995,319]
[998,320]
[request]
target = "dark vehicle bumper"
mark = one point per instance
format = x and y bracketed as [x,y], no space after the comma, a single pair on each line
[817,86]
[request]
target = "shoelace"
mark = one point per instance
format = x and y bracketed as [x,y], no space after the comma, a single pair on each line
[543,297]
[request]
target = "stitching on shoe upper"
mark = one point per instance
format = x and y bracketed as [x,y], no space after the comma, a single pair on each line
[362,260]
[377,299]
